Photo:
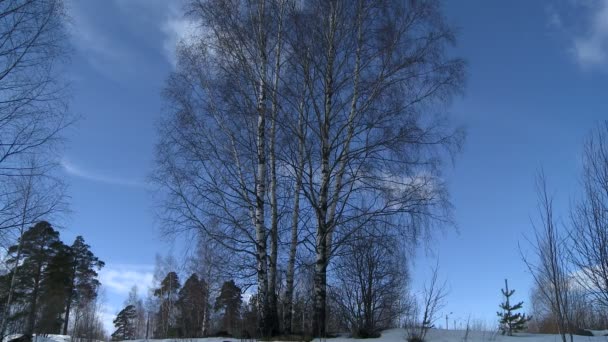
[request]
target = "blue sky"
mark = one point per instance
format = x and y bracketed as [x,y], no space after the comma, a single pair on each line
[538,75]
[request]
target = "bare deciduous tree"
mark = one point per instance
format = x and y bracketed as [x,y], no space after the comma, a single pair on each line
[33,107]
[87,322]
[217,157]
[433,301]
[355,83]
[33,111]
[589,218]
[549,268]
[371,273]
[373,70]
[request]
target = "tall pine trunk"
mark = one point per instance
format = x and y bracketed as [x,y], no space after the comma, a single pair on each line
[31,319]
[68,304]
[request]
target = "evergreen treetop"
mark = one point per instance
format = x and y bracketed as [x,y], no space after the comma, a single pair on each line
[125,329]
[510,320]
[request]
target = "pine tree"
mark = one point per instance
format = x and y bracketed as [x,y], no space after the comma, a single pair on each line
[82,279]
[39,244]
[192,305]
[510,321]
[229,301]
[167,293]
[54,292]
[124,324]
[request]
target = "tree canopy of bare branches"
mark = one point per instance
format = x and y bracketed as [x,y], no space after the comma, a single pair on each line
[33,103]
[33,112]
[307,120]
[589,218]
[549,264]
[371,280]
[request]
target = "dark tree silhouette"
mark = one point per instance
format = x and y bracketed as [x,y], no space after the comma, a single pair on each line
[229,301]
[82,277]
[125,329]
[192,305]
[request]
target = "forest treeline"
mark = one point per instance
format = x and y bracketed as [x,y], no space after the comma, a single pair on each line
[219,306]
[185,311]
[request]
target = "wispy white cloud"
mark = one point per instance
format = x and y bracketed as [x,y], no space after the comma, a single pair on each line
[103,52]
[157,22]
[176,28]
[77,171]
[591,49]
[120,278]
[586,31]
[116,282]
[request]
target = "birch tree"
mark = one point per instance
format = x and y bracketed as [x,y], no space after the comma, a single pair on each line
[378,70]
[33,108]
[549,265]
[217,159]
[33,112]
[371,274]
[355,83]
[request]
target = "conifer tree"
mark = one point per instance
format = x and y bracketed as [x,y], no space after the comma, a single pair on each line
[54,292]
[229,301]
[192,305]
[167,293]
[39,245]
[82,278]
[510,320]
[125,329]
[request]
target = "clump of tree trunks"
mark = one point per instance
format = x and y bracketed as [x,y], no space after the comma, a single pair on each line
[296,128]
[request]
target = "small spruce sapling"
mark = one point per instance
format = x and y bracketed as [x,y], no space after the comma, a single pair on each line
[510,320]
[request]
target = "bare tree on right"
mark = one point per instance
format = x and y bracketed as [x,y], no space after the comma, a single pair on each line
[589,218]
[549,263]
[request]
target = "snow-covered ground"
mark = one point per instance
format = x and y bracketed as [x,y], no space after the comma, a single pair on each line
[440,335]
[48,338]
[435,335]
[399,335]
